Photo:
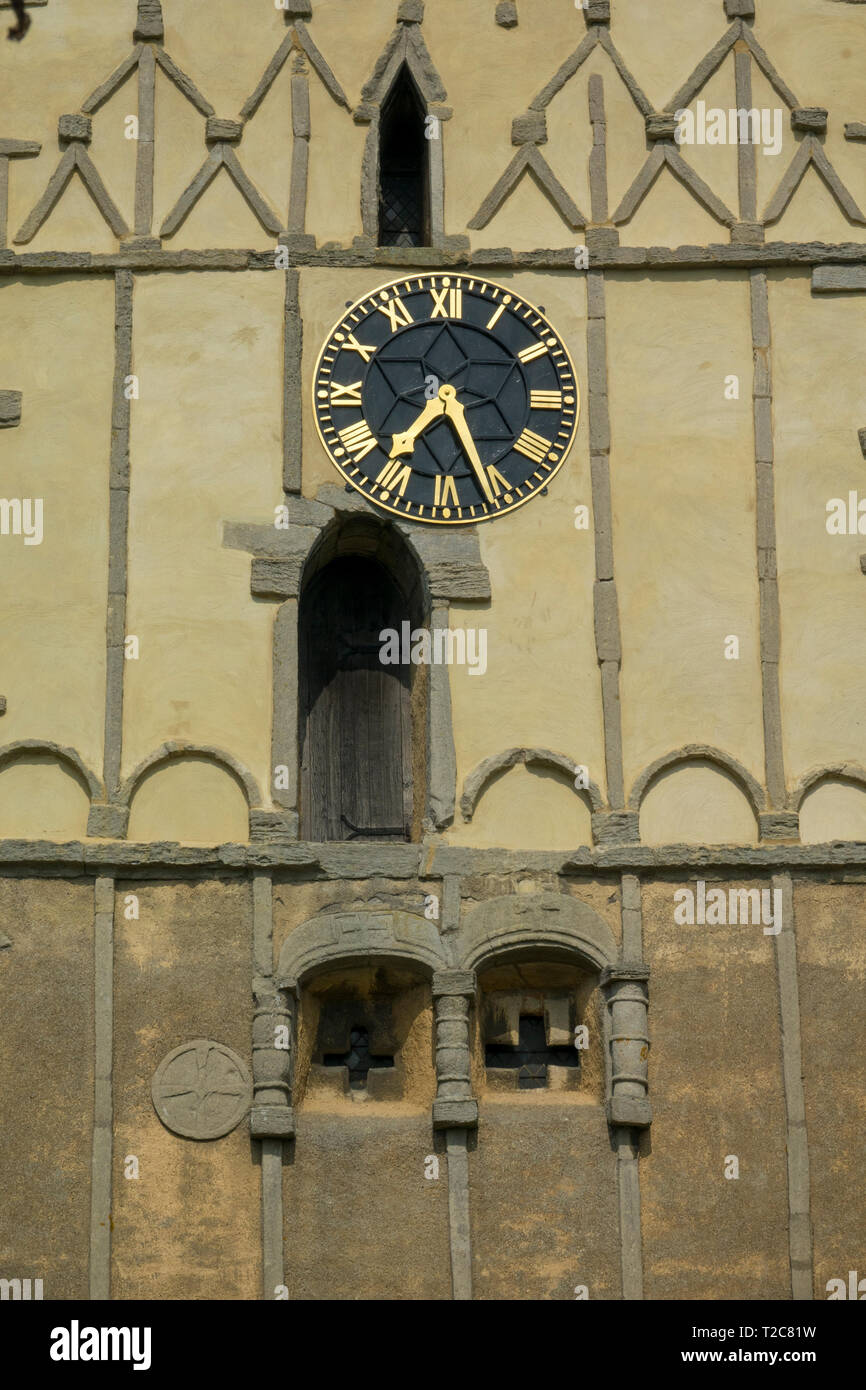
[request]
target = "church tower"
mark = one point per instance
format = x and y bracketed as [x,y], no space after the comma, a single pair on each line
[432,749]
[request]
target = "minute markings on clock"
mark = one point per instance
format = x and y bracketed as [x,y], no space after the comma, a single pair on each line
[445,399]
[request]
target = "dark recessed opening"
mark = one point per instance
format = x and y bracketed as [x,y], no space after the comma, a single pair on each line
[358,1059]
[404,213]
[532,1056]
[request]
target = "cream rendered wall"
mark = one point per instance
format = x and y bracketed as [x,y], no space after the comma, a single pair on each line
[696,804]
[833,811]
[206,448]
[542,687]
[191,801]
[683,489]
[818,349]
[42,799]
[56,346]
[664,45]
[528,808]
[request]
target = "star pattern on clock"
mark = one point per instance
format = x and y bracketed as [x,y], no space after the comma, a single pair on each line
[436,356]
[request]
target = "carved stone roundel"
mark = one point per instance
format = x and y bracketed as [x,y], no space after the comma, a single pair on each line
[201,1090]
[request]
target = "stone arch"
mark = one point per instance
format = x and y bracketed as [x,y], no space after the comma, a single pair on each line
[351,938]
[233,794]
[484,772]
[691,752]
[830,803]
[47,791]
[840,772]
[541,925]
[361,533]
[174,750]
[44,747]
[715,799]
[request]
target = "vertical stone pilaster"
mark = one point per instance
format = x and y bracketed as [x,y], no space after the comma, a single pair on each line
[112,818]
[765,523]
[607,637]
[436,150]
[441,755]
[103,1106]
[370,183]
[628,1184]
[457,1150]
[293,341]
[145,144]
[272,1121]
[300,145]
[628,1106]
[797,1139]
[271,1117]
[598,153]
[4,199]
[455,1111]
[284,732]
[746,172]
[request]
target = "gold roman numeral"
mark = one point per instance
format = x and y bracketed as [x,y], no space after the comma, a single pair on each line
[445,491]
[396,313]
[497,482]
[545,400]
[351,344]
[529,354]
[358,440]
[534,446]
[394,476]
[455,304]
[347,395]
[497,313]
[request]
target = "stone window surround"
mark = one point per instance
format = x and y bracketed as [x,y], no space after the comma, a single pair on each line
[450,568]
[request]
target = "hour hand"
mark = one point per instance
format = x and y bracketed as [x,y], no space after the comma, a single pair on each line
[405,443]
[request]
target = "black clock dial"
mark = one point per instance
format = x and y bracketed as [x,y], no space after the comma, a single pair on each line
[445,399]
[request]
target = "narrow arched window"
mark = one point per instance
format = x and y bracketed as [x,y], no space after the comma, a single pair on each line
[362,713]
[404,181]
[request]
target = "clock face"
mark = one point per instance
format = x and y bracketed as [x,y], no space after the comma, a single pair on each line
[446,399]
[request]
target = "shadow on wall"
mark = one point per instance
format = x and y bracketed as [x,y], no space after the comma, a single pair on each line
[696,803]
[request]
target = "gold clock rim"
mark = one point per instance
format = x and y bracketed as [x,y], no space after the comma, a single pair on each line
[443,521]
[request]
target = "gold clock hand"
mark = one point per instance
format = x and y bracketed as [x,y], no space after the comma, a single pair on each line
[455,413]
[405,443]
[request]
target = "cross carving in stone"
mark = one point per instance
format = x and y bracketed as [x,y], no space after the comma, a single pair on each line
[532,1055]
[358,1059]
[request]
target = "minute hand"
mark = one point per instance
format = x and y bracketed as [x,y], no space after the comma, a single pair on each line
[455,413]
